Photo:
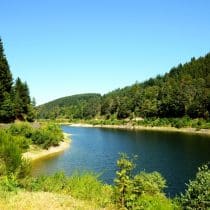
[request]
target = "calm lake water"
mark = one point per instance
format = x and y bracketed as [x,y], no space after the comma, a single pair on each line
[175,155]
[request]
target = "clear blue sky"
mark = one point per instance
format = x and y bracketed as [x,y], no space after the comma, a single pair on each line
[65,47]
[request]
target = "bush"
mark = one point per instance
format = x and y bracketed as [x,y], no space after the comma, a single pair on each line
[22,142]
[158,201]
[197,195]
[21,129]
[149,183]
[10,153]
[11,161]
[8,183]
[129,189]
[48,135]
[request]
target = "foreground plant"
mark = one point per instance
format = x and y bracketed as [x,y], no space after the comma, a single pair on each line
[140,191]
[197,195]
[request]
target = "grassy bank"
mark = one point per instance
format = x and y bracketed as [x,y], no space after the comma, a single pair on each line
[85,191]
[23,200]
[35,152]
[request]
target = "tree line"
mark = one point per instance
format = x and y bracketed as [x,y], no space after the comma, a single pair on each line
[15,101]
[183,91]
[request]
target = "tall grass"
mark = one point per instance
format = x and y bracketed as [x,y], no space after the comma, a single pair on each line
[84,186]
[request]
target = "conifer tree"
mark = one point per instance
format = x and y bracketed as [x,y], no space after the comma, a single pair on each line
[22,99]
[6,105]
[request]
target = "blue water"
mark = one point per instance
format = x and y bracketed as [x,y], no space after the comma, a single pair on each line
[175,155]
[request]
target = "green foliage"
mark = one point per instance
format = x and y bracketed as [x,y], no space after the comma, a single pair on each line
[7,113]
[174,122]
[24,170]
[8,183]
[23,134]
[156,202]
[137,192]
[123,180]
[197,195]
[45,136]
[21,129]
[10,153]
[22,99]
[148,183]
[140,191]
[11,161]
[5,74]
[85,186]
[83,106]
[49,135]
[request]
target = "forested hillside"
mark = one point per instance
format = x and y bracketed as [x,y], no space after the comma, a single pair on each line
[72,107]
[15,102]
[184,91]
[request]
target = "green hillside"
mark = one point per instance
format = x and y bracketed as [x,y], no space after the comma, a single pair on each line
[183,91]
[76,106]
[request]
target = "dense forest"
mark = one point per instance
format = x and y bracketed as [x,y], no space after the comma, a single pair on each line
[15,101]
[184,91]
[72,107]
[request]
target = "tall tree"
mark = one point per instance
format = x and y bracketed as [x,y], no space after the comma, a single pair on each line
[6,82]
[5,74]
[22,99]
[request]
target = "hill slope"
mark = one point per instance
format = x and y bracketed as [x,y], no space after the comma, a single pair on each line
[184,91]
[76,106]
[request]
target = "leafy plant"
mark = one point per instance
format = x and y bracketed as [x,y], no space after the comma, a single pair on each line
[140,191]
[197,195]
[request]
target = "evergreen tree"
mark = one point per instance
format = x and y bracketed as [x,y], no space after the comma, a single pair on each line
[7,113]
[6,105]
[5,74]
[22,99]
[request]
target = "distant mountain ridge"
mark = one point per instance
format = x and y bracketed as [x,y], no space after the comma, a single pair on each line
[183,91]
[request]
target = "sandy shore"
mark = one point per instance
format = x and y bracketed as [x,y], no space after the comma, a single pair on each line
[130,127]
[37,153]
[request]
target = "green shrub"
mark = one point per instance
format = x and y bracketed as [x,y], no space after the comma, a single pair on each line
[22,142]
[10,152]
[130,190]
[156,202]
[21,129]
[8,183]
[11,161]
[123,180]
[197,195]
[149,183]
[48,135]
[24,169]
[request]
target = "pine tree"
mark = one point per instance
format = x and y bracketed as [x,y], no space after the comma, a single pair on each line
[7,113]
[22,99]
[6,81]
[5,74]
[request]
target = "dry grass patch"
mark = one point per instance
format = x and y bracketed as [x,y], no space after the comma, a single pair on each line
[44,200]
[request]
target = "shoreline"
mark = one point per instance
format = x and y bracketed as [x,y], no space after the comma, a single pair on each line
[149,128]
[36,153]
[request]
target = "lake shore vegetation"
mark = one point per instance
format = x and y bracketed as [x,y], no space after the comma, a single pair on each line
[130,191]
